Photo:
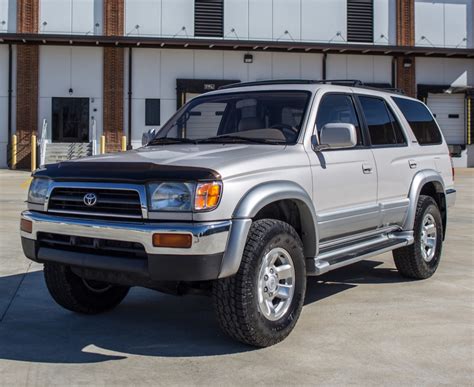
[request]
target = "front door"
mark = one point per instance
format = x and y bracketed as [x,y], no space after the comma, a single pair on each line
[345,180]
[70,120]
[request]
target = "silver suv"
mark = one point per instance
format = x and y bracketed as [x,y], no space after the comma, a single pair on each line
[243,193]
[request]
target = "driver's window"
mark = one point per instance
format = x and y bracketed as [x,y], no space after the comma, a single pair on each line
[338,108]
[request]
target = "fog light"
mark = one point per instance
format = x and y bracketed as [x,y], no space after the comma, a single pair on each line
[26,226]
[183,241]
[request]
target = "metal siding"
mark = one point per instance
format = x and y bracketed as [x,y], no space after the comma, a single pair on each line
[442,105]
[323,19]
[236,18]
[144,13]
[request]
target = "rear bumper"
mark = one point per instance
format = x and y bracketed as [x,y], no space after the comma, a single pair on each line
[202,261]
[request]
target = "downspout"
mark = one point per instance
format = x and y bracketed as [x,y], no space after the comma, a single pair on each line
[130,63]
[325,57]
[10,94]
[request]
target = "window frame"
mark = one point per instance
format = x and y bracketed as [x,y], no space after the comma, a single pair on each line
[365,143]
[416,141]
[390,110]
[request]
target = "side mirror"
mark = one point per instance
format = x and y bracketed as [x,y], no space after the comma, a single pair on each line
[148,136]
[337,136]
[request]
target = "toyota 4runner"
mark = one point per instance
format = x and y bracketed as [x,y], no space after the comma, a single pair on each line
[243,193]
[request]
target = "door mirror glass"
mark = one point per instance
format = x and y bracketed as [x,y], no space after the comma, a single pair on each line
[148,136]
[337,136]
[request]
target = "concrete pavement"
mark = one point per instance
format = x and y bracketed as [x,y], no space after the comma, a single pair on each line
[362,325]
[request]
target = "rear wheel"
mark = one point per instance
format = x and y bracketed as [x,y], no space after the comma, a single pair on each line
[81,295]
[421,259]
[262,302]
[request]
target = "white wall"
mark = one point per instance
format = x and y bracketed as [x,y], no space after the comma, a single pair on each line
[71,16]
[445,71]
[62,68]
[176,15]
[3,105]
[385,29]
[155,72]
[373,69]
[444,23]
[322,20]
[7,16]
[143,13]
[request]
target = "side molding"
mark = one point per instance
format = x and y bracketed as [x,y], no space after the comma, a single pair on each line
[420,179]
[252,203]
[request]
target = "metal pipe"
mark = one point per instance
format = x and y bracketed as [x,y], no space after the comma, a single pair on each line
[10,94]
[130,68]
[324,74]
[33,152]
[14,148]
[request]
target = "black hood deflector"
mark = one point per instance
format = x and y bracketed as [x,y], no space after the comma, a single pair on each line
[135,172]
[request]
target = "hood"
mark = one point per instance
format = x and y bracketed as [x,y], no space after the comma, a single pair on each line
[182,161]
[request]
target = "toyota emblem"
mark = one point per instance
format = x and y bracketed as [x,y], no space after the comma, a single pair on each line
[90,199]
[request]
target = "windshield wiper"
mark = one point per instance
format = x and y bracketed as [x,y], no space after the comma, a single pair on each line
[229,138]
[171,140]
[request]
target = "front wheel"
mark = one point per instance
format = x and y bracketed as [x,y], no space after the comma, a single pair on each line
[78,294]
[262,302]
[421,259]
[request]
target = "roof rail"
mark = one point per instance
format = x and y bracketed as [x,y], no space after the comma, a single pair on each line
[340,82]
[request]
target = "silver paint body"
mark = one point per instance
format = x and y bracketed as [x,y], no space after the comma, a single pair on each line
[340,193]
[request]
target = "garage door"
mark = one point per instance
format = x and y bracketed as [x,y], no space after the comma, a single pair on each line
[449,112]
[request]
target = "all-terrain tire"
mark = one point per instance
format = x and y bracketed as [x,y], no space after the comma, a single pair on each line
[409,260]
[78,295]
[236,298]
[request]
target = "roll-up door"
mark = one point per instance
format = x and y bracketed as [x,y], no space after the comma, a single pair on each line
[449,110]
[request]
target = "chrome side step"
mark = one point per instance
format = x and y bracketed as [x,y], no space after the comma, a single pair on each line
[339,256]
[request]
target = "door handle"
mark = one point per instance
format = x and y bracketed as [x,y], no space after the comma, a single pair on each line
[412,164]
[367,168]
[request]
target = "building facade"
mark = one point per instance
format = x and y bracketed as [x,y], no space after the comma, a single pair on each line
[74,70]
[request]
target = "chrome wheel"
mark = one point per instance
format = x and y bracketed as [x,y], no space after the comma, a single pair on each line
[276,284]
[428,237]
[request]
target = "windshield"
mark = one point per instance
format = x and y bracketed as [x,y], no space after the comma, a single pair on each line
[269,117]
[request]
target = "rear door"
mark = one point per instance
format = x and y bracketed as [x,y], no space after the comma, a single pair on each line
[344,180]
[396,161]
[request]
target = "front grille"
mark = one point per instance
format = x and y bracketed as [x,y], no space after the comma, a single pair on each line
[109,202]
[92,245]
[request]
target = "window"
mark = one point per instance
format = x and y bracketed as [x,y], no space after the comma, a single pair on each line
[258,117]
[152,112]
[384,129]
[338,108]
[421,121]
[360,21]
[209,18]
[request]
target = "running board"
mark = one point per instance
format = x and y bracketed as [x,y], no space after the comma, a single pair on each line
[337,256]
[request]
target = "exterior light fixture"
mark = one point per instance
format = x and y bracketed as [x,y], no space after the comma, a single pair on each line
[407,62]
[248,58]
[71,91]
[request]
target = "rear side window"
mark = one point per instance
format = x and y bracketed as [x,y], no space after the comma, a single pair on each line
[421,122]
[338,108]
[384,129]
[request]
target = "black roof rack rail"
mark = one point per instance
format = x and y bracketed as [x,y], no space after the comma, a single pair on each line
[340,82]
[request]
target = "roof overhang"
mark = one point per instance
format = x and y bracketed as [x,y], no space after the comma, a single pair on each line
[233,45]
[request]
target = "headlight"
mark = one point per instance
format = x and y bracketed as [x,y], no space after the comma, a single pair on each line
[38,190]
[171,196]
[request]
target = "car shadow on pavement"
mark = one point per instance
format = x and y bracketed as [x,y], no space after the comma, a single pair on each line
[147,323]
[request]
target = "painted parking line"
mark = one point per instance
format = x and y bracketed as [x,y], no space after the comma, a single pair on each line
[26,183]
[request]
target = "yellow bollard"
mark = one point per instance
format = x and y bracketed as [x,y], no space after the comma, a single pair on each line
[14,151]
[124,143]
[33,153]
[102,145]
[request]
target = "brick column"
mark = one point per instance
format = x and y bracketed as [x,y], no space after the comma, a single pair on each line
[114,12]
[406,65]
[27,69]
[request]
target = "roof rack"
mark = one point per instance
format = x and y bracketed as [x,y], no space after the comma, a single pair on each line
[340,82]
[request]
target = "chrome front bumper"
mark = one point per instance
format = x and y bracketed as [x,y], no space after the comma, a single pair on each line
[208,238]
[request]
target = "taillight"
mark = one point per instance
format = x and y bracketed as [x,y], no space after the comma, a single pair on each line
[452,167]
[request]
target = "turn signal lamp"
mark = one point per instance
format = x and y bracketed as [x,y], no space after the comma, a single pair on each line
[207,196]
[183,241]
